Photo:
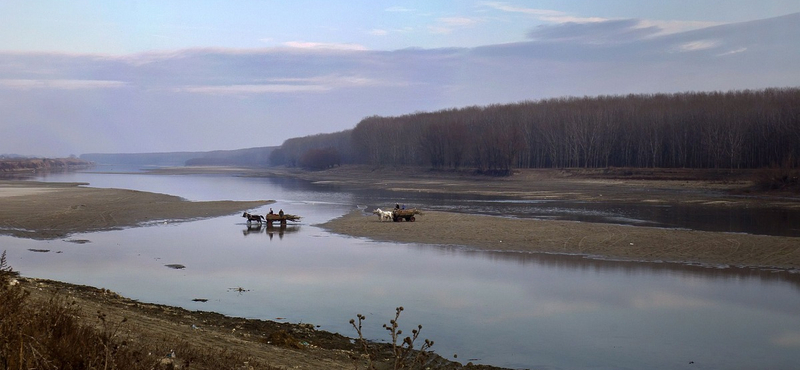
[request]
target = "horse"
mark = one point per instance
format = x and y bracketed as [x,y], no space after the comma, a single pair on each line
[383,215]
[251,218]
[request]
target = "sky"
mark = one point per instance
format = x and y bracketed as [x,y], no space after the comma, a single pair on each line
[90,76]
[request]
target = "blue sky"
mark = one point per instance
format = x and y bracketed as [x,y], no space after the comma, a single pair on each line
[142,76]
[121,27]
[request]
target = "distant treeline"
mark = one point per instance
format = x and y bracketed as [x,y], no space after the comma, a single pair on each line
[737,129]
[36,164]
[249,157]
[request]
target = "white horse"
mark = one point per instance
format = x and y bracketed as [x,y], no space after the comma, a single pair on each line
[383,215]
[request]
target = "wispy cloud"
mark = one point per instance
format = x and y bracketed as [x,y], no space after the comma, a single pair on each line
[667,27]
[697,45]
[399,9]
[735,51]
[322,45]
[29,84]
[378,32]
[548,15]
[458,21]
[316,84]
[613,31]
[446,25]
[530,11]
[646,27]
[251,89]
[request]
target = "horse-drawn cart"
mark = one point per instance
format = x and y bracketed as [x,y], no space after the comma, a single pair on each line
[281,218]
[405,215]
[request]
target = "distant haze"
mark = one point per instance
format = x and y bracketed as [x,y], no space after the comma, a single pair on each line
[125,97]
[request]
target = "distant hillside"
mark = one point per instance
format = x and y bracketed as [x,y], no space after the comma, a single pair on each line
[40,164]
[250,157]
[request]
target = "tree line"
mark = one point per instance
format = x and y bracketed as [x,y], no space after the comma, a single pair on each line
[736,129]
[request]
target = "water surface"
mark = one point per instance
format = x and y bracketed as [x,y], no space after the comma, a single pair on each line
[507,309]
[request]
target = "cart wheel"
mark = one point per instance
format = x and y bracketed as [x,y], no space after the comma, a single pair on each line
[396,219]
[412,219]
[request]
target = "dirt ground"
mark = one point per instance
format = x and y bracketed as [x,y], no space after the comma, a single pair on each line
[44,210]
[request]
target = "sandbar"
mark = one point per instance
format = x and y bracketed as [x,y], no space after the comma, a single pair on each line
[41,210]
[595,240]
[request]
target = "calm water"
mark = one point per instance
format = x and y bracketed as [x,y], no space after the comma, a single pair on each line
[513,310]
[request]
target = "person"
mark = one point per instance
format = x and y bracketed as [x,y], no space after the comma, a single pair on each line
[271,212]
[280,213]
[397,206]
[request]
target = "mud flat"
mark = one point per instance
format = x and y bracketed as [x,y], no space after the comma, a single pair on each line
[630,243]
[41,210]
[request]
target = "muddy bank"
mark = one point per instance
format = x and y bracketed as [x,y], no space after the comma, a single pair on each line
[53,210]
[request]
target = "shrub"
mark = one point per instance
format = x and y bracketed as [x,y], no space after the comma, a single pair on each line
[778,179]
[403,355]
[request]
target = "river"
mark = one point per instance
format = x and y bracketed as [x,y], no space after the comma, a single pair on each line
[506,309]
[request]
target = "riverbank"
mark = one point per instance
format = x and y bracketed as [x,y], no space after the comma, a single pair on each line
[153,336]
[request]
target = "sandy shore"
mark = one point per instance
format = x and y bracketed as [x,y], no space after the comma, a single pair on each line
[53,210]
[589,239]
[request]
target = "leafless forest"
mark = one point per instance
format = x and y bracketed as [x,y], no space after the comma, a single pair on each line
[737,129]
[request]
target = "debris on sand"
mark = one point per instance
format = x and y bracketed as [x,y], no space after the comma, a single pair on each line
[78,241]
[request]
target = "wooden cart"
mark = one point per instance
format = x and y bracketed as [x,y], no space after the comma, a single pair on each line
[270,218]
[405,214]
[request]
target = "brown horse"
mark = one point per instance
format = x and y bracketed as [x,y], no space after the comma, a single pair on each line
[250,218]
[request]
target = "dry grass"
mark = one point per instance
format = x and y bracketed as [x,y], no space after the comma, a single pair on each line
[778,179]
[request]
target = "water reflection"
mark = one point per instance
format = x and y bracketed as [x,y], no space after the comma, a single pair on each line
[270,230]
[514,310]
[754,220]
